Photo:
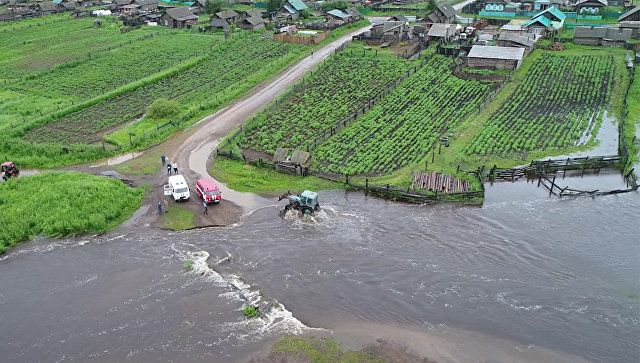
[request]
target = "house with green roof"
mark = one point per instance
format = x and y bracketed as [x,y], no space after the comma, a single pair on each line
[547,20]
[292,9]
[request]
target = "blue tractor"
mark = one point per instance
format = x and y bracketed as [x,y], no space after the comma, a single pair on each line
[306,203]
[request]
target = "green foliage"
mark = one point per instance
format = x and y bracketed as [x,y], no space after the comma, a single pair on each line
[560,103]
[404,126]
[321,350]
[188,264]
[213,6]
[343,85]
[430,6]
[274,5]
[162,108]
[250,311]
[62,204]
[340,5]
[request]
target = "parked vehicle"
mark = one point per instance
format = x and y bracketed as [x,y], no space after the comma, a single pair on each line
[9,170]
[208,191]
[179,188]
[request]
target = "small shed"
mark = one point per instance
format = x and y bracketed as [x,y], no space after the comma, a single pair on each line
[252,23]
[586,7]
[47,7]
[218,23]
[589,35]
[444,13]
[250,14]
[121,3]
[179,18]
[486,57]
[540,25]
[616,37]
[513,29]
[354,13]
[634,26]
[631,15]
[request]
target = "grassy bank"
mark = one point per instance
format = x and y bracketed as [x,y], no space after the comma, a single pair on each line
[248,178]
[177,218]
[63,204]
[632,121]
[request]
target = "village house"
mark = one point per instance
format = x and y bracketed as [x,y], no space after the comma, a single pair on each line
[496,8]
[444,13]
[130,9]
[605,36]
[245,14]
[442,32]
[147,5]
[228,16]
[486,57]
[292,9]
[586,7]
[252,23]
[551,19]
[338,17]
[179,18]
[47,7]
[355,14]
[514,28]
[398,18]
[199,6]
[120,3]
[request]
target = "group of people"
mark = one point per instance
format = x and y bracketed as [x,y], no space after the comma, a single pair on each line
[170,166]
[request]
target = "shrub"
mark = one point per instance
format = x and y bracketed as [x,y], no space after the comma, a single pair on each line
[162,108]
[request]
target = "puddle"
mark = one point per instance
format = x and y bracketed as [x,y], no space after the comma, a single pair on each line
[118,159]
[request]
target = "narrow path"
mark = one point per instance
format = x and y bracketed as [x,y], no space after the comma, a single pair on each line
[197,149]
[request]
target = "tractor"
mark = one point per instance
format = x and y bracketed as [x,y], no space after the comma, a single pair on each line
[9,170]
[306,203]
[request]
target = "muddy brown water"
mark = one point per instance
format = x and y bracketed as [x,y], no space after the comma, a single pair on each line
[525,269]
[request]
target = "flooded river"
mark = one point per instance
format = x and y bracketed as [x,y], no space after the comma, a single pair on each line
[527,269]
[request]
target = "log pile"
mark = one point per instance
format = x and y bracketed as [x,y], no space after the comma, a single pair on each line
[443,183]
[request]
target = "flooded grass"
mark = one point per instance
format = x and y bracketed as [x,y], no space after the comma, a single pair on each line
[177,218]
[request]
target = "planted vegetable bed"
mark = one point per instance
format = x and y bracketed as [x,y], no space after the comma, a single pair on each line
[347,81]
[560,103]
[404,126]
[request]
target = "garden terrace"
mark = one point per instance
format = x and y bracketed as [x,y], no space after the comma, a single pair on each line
[560,103]
[226,66]
[403,127]
[344,84]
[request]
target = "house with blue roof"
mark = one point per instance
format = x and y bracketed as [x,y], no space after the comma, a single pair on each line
[292,9]
[551,19]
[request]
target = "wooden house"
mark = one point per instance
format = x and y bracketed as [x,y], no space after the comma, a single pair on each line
[228,16]
[631,20]
[147,5]
[245,14]
[120,3]
[616,37]
[292,9]
[487,57]
[179,18]
[547,20]
[354,13]
[588,35]
[47,7]
[496,8]
[444,13]
[586,7]
[338,16]
[199,6]
[631,15]
[517,41]
[252,23]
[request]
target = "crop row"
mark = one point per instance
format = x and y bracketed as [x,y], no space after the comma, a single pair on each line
[30,29]
[558,104]
[346,82]
[403,127]
[225,67]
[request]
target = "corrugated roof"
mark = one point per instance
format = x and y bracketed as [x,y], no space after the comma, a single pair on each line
[553,11]
[181,13]
[390,25]
[254,20]
[338,14]
[629,13]
[589,32]
[511,27]
[541,19]
[226,14]
[618,34]
[290,9]
[297,4]
[510,53]
[438,30]
[526,41]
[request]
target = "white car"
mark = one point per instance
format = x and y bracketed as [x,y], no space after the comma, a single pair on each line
[179,188]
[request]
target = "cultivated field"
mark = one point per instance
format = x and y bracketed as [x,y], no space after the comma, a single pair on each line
[405,125]
[560,102]
[344,84]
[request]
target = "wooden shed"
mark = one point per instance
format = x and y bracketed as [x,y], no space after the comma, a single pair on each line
[442,32]
[588,35]
[147,5]
[252,23]
[517,41]
[486,57]
[444,13]
[179,18]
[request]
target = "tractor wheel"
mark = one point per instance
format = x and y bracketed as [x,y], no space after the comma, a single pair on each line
[317,207]
[307,210]
[287,207]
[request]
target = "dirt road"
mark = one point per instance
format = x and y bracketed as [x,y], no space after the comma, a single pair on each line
[194,154]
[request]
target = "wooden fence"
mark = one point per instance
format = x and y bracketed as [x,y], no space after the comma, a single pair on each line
[306,40]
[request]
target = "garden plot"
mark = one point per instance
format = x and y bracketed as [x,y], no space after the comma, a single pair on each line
[560,103]
[344,84]
[403,127]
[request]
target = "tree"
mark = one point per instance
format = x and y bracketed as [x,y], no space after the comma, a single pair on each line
[431,6]
[213,6]
[274,5]
[162,108]
[340,5]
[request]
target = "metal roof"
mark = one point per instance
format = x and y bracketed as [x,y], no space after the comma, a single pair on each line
[555,12]
[226,14]
[520,39]
[629,13]
[338,13]
[439,30]
[290,9]
[510,53]
[309,194]
[541,19]
[511,27]
[297,4]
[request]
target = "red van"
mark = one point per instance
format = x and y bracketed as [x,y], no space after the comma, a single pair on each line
[208,190]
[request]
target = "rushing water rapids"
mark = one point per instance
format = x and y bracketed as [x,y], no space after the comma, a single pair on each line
[532,270]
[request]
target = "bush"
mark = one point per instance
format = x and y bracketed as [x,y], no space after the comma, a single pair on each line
[250,311]
[162,108]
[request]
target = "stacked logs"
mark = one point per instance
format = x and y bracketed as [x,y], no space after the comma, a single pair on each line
[443,183]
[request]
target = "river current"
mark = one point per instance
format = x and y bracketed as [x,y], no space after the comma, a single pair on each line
[533,270]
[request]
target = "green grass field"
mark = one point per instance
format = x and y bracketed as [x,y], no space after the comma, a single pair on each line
[63,204]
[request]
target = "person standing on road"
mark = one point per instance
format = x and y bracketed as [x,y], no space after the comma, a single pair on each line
[164,160]
[159,208]
[175,168]
[168,167]
[206,207]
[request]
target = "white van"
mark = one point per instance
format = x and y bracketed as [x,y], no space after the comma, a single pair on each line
[179,188]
